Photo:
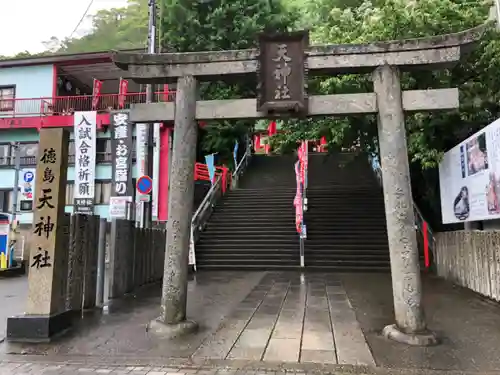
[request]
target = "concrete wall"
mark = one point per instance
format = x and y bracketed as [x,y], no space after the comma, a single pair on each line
[30,82]
[470,259]
[482,225]
[491,225]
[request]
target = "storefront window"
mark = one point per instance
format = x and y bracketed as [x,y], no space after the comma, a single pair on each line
[5,154]
[28,153]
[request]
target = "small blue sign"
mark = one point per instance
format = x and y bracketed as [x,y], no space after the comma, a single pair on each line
[210,160]
[144,185]
[235,154]
[28,176]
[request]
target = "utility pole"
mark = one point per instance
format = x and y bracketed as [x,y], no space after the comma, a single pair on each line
[497,10]
[148,206]
[17,166]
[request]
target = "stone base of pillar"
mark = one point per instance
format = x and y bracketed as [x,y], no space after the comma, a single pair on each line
[426,338]
[171,331]
[38,328]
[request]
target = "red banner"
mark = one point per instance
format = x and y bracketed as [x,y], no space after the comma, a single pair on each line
[271,130]
[425,229]
[256,142]
[166,93]
[322,144]
[302,152]
[96,93]
[298,199]
[122,93]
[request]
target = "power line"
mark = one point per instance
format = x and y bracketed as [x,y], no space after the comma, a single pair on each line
[81,19]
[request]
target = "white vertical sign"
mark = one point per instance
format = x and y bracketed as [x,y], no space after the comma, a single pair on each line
[85,134]
[156,170]
[141,131]
[120,204]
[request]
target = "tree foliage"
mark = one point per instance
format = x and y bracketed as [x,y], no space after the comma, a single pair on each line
[428,134]
[116,28]
[189,25]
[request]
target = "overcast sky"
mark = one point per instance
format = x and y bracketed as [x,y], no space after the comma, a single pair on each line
[27,23]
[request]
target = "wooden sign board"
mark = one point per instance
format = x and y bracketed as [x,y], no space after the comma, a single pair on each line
[282,74]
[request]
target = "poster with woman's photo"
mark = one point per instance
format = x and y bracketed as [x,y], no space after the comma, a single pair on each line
[469,178]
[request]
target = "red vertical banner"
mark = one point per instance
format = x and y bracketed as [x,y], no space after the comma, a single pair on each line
[122,93]
[166,93]
[271,130]
[322,144]
[425,233]
[96,93]
[302,161]
[297,202]
[256,143]
[164,175]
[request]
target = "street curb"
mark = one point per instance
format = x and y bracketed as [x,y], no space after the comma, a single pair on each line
[190,366]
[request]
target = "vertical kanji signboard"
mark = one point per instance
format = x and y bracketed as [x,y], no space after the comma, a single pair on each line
[85,132]
[121,146]
[282,74]
[47,251]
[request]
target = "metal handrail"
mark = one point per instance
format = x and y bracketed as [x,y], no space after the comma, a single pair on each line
[240,168]
[204,205]
[204,211]
[375,164]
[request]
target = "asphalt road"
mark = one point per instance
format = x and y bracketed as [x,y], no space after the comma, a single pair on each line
[13,291]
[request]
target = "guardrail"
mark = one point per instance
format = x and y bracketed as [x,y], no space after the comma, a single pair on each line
[201,174]
[67,105]
[207,205]
[101,157]
[426,236]
[241,167]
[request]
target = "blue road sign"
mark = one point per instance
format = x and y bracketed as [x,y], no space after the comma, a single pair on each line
[28,176]
[144,185]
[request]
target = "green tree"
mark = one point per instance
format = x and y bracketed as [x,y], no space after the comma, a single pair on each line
[429,134]
[204,25]
[116,28]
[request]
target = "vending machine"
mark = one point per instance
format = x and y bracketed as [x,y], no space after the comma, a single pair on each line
[9,243]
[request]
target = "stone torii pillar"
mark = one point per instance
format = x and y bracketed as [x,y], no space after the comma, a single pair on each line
[410,327]
[172,321]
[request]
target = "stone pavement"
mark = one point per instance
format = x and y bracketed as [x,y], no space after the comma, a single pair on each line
[282,320]
[35,368]
[285,317]
[290,317]
[13,290]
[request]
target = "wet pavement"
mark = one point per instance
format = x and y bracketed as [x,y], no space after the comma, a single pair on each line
[13,291]
[290,317]
[467,324]
[268,318]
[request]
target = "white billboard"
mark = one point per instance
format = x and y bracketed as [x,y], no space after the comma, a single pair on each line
[469,178]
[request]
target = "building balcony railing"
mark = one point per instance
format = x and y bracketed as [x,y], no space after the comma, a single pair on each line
[67,105]
[101,158]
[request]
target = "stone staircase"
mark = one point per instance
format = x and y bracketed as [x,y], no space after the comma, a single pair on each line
[254,226]
[346,227]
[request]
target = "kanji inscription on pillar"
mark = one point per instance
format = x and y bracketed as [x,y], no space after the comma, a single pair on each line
[282,74]
[45,286]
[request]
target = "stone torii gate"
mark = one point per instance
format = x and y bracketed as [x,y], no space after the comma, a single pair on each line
[385,60]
